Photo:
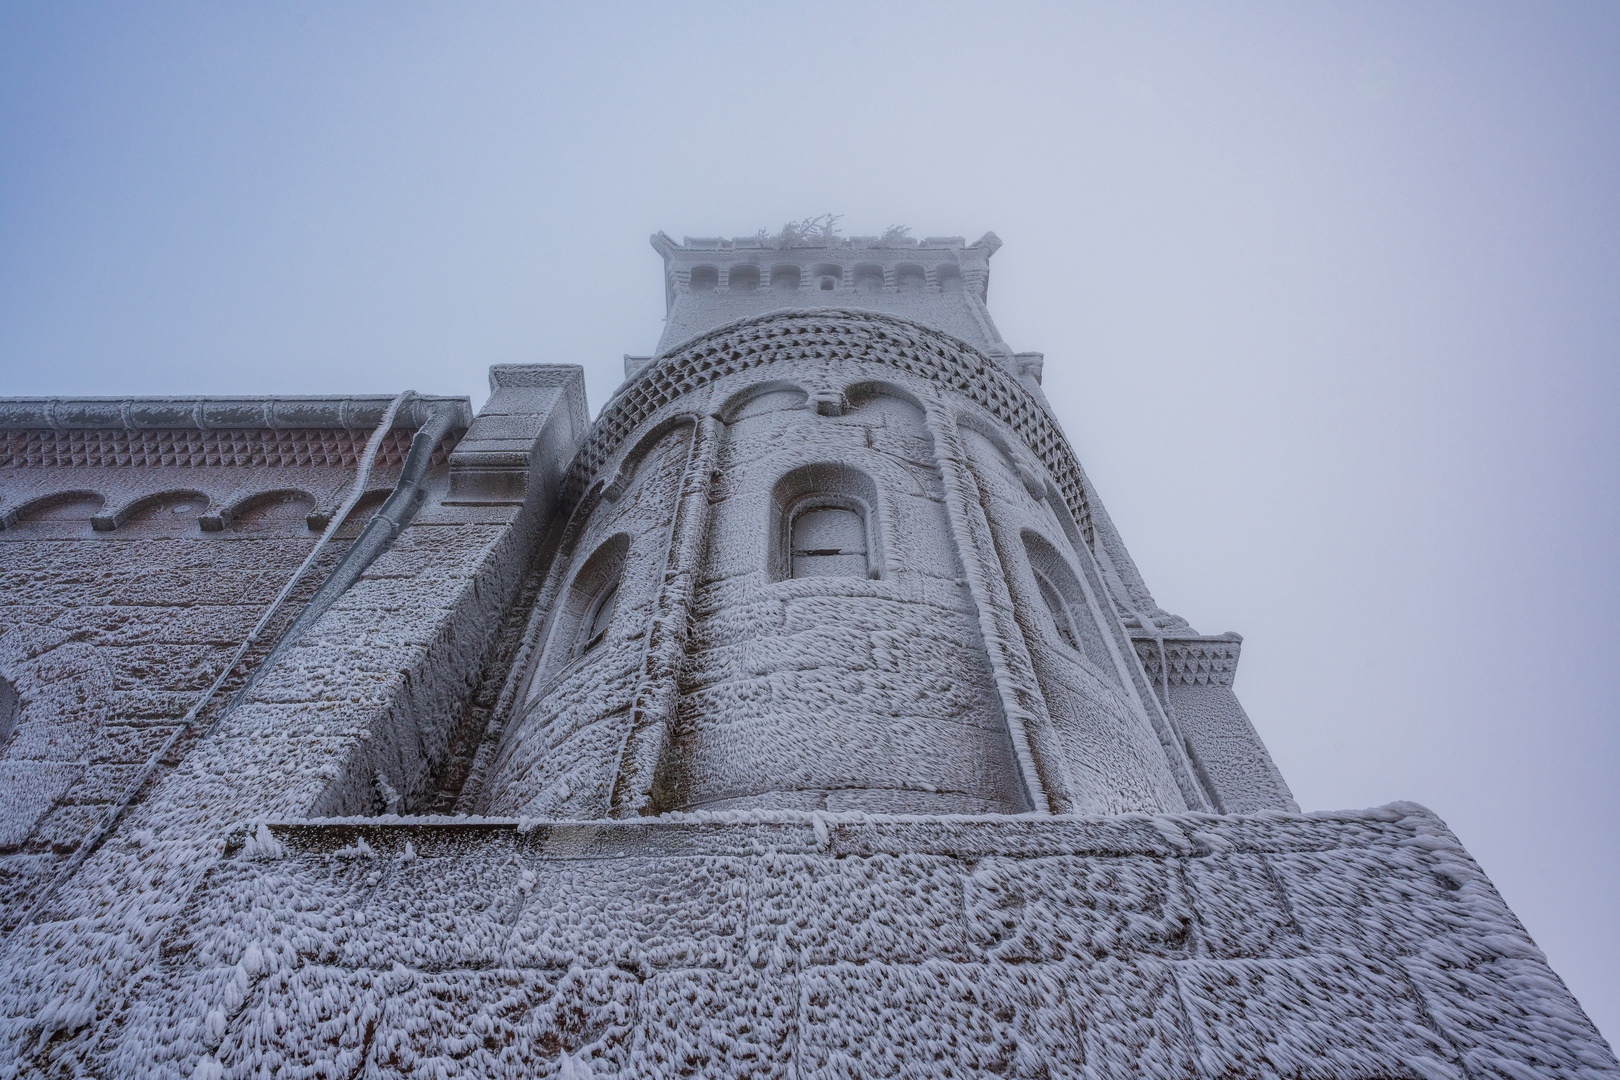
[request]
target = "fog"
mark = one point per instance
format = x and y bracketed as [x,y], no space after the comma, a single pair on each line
[1328,296]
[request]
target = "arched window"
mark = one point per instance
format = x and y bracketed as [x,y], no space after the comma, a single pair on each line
[824,524]
[911,277]
[744,278]
[1065,601]
[704,278]
[785,278]
[827,276]
[868,278]
[1059,609]
[582,623]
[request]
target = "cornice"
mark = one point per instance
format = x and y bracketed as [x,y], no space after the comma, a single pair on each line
[867,337]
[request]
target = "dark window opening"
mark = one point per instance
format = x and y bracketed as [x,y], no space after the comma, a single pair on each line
[601,619]
[9,708]
[1065,600]
[824,524]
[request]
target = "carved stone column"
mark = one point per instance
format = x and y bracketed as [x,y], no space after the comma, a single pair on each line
[1040,758]
[652,716]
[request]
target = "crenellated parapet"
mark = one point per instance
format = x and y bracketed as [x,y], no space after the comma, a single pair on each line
[940,282]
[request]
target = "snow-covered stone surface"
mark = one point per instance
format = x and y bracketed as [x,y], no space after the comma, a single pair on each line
[968,646]
[1363,944]
[824,726]
[132,562]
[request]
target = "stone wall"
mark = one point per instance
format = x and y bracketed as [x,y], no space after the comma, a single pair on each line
[356,717]
[1350,945]
[133,564]
[863,689]
[557,758]
[1192,677]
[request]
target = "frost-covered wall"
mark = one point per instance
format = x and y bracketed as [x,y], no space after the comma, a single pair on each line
[141,540]
[1352,945]
[361,715]
[1192,677]
[823,724]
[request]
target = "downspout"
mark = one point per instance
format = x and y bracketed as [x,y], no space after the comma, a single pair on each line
[377,537]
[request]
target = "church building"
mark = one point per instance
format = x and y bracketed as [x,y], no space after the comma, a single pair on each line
[801,715]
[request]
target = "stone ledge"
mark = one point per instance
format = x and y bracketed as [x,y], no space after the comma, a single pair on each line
[841,835]
[1205,660]
[356,413]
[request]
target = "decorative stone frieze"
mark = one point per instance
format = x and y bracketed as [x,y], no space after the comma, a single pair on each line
[1189,661]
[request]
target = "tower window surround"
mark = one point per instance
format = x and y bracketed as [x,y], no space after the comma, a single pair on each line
[1065,601]
[824,524]
[584,615]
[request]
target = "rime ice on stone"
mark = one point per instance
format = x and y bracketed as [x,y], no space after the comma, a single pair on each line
[820,722]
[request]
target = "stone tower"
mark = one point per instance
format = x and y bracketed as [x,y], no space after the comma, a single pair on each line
[801,715]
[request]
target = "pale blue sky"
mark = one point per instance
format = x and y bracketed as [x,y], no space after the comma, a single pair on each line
[1328,296]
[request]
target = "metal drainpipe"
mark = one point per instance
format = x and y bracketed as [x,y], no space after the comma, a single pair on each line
[377,537]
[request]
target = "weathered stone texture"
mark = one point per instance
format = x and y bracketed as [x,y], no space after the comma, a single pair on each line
[829,946]
[825,727]
[762,687]
[109,637]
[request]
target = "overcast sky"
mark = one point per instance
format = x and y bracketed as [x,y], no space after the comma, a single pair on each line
[1328,296]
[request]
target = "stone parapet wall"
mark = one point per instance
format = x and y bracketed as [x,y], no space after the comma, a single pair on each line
[1334,945]
[940,282]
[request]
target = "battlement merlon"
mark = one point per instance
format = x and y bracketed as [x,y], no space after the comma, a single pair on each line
[940,281]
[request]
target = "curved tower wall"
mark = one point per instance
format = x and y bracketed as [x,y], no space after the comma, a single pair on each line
[849,566]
